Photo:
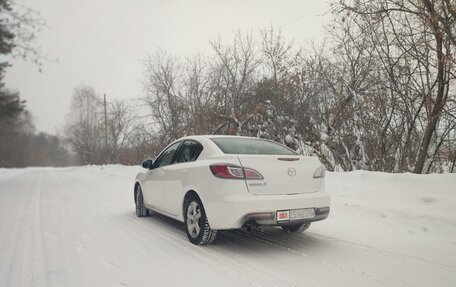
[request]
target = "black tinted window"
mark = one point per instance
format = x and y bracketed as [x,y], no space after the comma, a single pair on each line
[167,156]
[251,146]
[190,151]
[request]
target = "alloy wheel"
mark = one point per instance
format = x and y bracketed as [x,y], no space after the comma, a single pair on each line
[193,219]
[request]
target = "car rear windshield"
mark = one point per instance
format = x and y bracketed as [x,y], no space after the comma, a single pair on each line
[251,146]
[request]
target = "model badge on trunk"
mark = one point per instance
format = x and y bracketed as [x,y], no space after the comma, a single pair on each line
[258,184]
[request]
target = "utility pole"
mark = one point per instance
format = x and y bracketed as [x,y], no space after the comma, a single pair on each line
[106,122]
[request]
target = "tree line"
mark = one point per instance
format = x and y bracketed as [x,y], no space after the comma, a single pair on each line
[377,94]
[20,145]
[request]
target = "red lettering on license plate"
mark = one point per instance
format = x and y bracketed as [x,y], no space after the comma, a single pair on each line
[284,215]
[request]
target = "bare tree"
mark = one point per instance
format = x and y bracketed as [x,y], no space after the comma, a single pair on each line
[366,98]
[422,33]
[198,91]
[21,24]
[235,68]
[119,124]
[83,130]
[277,53]
[162,94]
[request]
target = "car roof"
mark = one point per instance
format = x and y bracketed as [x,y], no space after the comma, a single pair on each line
[210,147]
[215,136]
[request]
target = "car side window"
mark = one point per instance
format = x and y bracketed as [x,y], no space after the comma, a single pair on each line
[189,151]
[167,156]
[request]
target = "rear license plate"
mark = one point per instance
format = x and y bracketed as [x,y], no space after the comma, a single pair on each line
[295,214]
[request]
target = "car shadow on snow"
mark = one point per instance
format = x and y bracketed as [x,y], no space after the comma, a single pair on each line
[270,239]
[266,239]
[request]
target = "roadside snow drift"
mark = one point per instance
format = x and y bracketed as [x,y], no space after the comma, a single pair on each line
[77,227]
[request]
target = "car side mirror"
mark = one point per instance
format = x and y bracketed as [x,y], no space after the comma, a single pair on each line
[148,164]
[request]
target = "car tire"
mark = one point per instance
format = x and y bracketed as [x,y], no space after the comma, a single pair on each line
[297,228]
[141,210]
[196,224]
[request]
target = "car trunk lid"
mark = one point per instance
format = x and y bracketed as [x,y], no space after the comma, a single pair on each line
[287,174]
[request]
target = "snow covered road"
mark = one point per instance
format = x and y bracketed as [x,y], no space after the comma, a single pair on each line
[77,227]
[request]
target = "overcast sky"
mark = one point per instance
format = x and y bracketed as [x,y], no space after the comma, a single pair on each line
[101,42]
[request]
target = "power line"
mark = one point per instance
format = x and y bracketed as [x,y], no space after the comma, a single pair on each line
[301,17]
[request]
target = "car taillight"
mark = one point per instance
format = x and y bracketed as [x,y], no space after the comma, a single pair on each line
[234,172]
[252,174]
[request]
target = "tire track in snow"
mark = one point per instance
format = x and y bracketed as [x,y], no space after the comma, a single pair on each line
[182,240]
[342,268]
[270,242]
[142,241]
[37,274]
[252,266]
[92,215]
[11,236]
[379,251]
[298,252]
[211,259]
[283,242]
[26,256]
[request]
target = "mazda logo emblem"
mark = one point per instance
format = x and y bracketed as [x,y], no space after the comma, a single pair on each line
[291,171]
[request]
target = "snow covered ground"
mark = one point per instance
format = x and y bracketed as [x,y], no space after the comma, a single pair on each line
[77,227]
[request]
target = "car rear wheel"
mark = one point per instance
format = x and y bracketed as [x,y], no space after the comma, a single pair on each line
[141,210]
[297,228]
[196,224]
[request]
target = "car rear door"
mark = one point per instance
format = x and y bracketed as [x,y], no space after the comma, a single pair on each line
[153,190]
[174,176]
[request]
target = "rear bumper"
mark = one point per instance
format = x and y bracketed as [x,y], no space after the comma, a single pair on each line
[269,218]
[247,209]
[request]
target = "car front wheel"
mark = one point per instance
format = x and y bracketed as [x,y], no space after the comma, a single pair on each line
[297,228]
[196,224]
[141,210]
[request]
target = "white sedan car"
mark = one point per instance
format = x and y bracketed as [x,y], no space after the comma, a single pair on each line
[215,182]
